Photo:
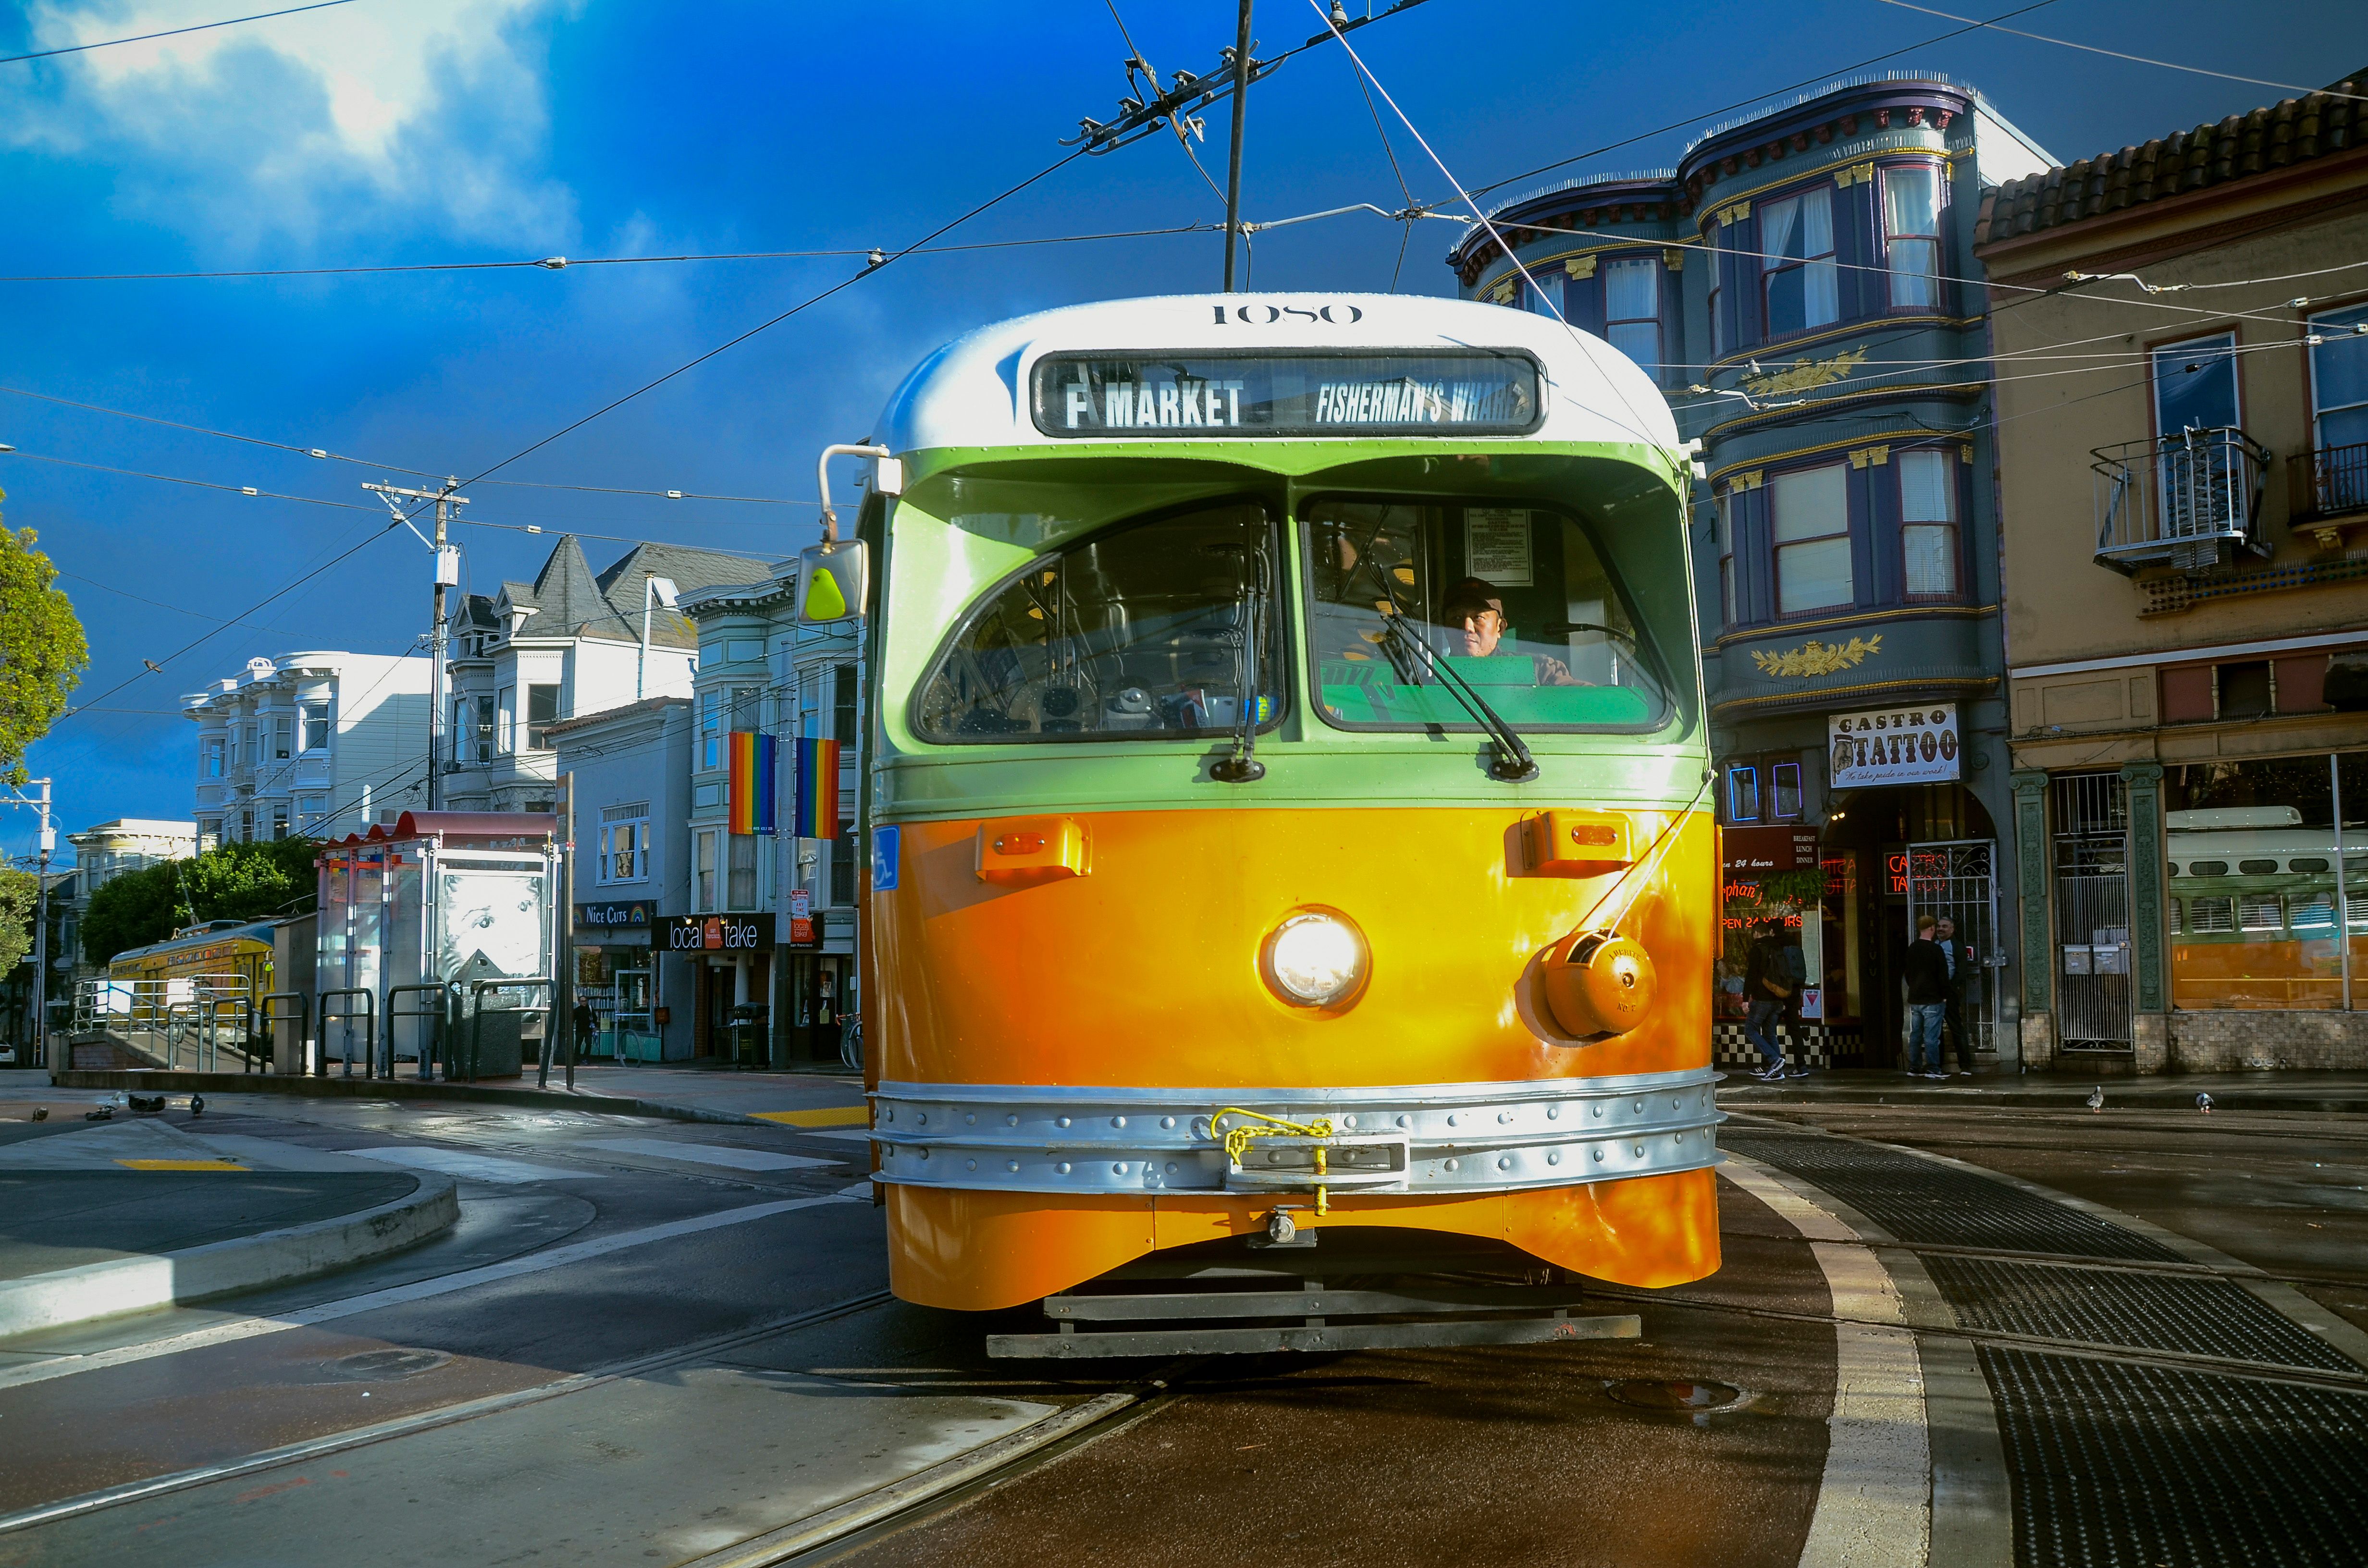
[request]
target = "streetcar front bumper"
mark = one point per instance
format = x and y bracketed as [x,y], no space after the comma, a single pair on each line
[1445,1140]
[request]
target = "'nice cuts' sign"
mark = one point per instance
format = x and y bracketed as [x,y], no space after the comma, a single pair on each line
[1895,745]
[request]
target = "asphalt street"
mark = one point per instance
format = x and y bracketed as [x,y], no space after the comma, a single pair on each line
[655,1341]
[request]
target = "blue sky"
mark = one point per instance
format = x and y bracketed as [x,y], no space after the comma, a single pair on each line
[414,132]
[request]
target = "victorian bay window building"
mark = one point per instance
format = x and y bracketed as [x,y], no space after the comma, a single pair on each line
[761,673]
[2186,557]
[1802,286]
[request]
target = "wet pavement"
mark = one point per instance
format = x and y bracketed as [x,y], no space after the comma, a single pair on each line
[1950,1331]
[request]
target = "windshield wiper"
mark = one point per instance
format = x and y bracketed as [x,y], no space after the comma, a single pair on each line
[1244,766]
[1512,761]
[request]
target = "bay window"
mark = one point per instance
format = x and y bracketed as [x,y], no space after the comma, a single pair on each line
[1723,522]
[1632,309]
[1911,235]
[1928,525]
[1799,278]
[1813,541]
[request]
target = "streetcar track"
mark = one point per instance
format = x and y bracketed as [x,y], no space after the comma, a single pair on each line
[428,1420]
[2259,1371]
[2239,1273]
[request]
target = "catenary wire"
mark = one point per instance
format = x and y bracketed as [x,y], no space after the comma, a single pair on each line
[2139,59]
[558,264]
[170,32]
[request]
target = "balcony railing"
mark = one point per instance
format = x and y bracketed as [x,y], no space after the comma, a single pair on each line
[2190,500]
[2329,482]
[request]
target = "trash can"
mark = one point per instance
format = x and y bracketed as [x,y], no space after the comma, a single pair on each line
[746,1027]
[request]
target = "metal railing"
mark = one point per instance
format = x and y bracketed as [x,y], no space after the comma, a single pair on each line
[367,1013]
[2186,500]
[2327,482]
[477,989]
[431,1045]
[210,1031]
[272,1018]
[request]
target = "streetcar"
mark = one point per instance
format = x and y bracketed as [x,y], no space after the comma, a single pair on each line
[2253,910]
[1286,794]
[222,961]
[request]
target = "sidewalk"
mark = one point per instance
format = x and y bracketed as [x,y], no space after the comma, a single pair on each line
[101,1219]
[2061,1090]
[808,1100]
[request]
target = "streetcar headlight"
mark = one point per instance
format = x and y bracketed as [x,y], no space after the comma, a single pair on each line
[1316,959]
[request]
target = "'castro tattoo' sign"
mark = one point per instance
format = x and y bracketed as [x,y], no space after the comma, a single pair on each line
[1895,745]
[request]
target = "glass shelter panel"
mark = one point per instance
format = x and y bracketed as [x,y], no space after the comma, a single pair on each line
[1514,600]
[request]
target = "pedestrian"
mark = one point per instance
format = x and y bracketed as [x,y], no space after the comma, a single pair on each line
[1926,973]
[581,1045]
[1765,988]
[1961,962]
[1794,969]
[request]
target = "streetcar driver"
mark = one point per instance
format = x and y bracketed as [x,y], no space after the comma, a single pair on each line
[1475,610]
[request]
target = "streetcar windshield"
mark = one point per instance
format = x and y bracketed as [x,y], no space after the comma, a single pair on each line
[1138,631]
[1514,599]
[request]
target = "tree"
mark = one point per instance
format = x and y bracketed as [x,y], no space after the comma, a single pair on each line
[42,651]
[264,880]
[18,893]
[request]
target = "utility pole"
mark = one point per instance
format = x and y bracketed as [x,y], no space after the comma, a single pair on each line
[1172,106]
[1234,147]
[49,843]
[448,576]
[560,1032]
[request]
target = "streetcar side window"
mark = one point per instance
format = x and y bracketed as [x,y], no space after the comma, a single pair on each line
[1513,601]
[1159,628]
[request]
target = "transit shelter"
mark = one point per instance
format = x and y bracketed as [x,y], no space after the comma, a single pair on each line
[443,900]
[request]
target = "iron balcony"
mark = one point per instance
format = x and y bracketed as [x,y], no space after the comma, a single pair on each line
[2190,500]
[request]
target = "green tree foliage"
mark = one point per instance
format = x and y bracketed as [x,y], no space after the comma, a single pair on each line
[18,893]
[42,654]
[236,882]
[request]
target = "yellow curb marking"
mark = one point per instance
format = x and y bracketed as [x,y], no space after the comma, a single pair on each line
[181,1164]
[836,1116]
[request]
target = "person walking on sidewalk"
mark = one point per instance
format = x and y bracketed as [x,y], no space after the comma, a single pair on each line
[1926,973]
[1767,985]
[1960,955]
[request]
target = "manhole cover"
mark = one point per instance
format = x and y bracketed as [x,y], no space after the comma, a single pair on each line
[1684,1399]
[384,1366]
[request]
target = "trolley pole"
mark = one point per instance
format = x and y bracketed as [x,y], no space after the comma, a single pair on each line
[1233,150]
[448,576]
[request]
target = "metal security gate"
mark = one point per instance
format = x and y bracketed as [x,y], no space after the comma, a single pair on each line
[1957,880]
[2094,1004]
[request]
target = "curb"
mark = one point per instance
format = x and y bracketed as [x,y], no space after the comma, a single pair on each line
[70,1296]
[391,1090]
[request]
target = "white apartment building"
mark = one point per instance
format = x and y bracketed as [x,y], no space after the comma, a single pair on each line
[314,743]
[569,643]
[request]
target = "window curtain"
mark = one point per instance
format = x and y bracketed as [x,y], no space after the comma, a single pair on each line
[1911,218]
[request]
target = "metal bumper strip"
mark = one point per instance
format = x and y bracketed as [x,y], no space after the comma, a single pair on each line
[1434,1139]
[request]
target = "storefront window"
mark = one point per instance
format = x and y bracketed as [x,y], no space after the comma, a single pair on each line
[2263,855]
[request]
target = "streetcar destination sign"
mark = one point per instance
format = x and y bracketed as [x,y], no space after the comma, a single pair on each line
[1216,393]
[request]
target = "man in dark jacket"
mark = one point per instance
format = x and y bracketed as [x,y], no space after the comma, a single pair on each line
[1960,954]
[1767,985]
[1926,973]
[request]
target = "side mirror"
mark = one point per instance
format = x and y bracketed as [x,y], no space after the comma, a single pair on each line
[834,582]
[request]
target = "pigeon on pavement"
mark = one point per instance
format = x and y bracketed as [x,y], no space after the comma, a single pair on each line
[2204,1104]
[197,1105]
[147,1105]
[2096,1100]
[41,1113]
[104,1113]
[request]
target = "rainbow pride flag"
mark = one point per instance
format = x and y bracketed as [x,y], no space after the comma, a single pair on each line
[754,760]
[815,812]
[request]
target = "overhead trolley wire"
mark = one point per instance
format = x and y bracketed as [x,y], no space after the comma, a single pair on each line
[170,32]
[2138,59]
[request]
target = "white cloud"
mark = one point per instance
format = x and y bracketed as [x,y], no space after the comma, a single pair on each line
[326,122]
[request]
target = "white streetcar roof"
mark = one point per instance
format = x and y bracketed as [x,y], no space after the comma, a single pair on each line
[974,391]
